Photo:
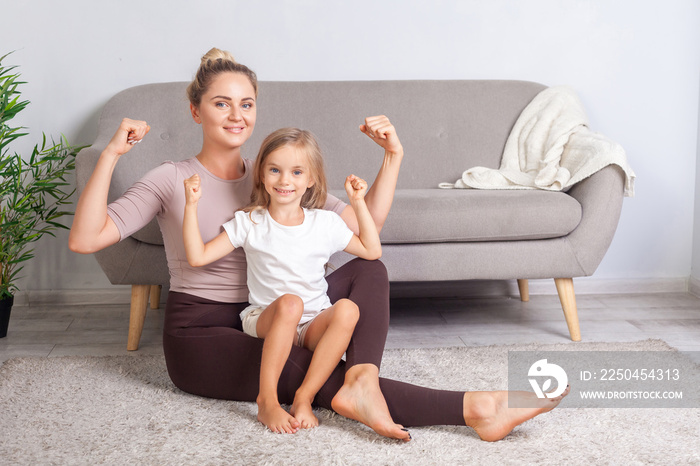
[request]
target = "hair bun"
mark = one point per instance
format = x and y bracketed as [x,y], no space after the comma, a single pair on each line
[214,62]
[217,54]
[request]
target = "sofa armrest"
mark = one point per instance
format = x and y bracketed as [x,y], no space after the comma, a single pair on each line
[601,197]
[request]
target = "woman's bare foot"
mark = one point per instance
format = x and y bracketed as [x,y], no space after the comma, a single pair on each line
[361,399]
[489,415]
[276,418]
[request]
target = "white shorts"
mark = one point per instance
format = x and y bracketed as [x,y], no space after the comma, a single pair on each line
[250,323]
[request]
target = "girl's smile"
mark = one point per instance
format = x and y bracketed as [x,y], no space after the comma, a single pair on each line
[286,177]
[284,192]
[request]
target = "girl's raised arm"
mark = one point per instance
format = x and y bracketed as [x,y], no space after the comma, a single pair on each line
[198,253]
[92,228]
[367,245]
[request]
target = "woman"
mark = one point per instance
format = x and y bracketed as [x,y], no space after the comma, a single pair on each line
[206,352]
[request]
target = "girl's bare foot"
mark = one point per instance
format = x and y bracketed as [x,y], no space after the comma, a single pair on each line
[303,413]
[276,418]
[361,399]
[489,415]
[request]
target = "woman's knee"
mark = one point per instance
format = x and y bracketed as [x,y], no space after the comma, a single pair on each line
[375,269]
[378,270]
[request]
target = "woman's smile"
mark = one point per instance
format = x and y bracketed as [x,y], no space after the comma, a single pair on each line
[235,129]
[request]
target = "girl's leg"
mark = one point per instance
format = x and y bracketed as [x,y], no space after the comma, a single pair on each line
[328,336]
[277,325]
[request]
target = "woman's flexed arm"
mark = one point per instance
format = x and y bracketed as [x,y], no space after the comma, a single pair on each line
[381,195]
[92,228]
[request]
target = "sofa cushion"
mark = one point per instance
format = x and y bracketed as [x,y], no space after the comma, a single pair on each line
[464,215]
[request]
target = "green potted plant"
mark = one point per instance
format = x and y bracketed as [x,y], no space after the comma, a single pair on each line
[33,191]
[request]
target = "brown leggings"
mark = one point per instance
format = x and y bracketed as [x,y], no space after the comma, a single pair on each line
[207,354]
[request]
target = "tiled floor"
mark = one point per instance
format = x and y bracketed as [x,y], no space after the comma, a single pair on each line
[50,331]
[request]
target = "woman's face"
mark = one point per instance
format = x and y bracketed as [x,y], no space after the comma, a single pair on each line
[227,111]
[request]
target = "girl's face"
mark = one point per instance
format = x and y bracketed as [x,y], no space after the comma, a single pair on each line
[227,111]
[286,175]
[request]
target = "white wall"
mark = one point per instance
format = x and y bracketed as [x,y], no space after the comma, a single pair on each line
[636,65]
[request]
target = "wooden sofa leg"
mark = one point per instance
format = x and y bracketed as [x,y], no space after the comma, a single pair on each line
[565,288]
[524,288]
[139,302]
[155,296]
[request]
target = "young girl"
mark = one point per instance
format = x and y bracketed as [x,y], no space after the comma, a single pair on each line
[288,240]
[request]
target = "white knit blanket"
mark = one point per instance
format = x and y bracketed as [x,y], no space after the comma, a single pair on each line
[550,147]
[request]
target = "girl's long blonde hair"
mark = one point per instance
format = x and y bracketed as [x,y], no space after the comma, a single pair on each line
[315,196]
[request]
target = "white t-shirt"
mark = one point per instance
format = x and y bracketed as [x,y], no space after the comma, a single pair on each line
[288,259]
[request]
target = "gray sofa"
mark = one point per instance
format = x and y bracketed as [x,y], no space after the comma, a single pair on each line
[431,234]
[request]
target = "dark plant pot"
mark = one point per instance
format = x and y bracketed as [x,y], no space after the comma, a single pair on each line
[5,309]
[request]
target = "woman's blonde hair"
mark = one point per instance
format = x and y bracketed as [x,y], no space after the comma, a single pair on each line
[215,62]
[315,196]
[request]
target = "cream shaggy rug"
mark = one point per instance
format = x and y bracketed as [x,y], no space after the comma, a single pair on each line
[125,410]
